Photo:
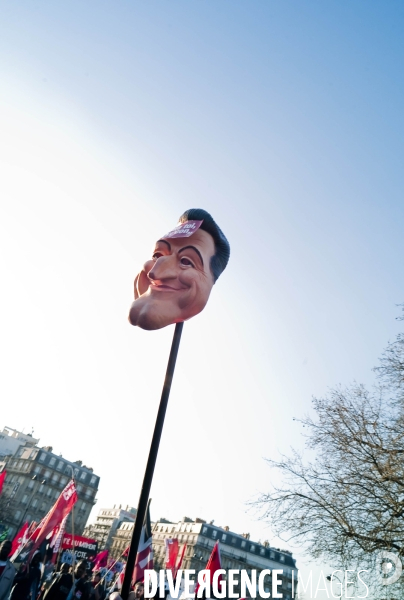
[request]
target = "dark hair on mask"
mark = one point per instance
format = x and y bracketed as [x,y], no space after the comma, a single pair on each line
[219,260]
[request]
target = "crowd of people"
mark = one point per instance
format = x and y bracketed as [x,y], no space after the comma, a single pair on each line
[39,581]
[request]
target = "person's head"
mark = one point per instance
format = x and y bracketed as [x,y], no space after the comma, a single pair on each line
[65,568]
[36,559]
[175,284]
[81,569]
[96,577]
[139,590]
[5,549]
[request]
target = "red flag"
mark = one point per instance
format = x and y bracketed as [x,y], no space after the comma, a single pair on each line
[57,513]
[57,537]
[125,554]
[20,539]
[32,528]
[171,553]
[144,558]
[101,560]
[2,478]
[213,564]
[180,561]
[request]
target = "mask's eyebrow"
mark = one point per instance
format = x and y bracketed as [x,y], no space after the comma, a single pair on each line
[192,248]
[164,242]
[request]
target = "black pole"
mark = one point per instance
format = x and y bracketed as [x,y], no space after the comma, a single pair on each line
[151,462]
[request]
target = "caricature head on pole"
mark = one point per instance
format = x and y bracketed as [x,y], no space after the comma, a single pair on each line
[175,283]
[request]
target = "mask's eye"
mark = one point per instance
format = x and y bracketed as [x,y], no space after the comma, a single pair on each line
[186,262]
[157,255]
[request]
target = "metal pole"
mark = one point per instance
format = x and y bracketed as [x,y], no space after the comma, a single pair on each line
[151,462]
[73,551]
[34,491]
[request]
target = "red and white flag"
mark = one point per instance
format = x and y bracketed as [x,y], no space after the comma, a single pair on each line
[20,539]
[120,578]
[55,516]
[179,563]
[144,558]
[2,478]
[214,564]
[171,553]
[57,536]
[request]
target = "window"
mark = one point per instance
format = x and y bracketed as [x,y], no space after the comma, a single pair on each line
[252,548]
[47,474]
[272,554]
[60,466]
[52,461]
[24,499]
[282,558]
[214,533]
[83,475]
[42,457]
[37,469]
[30,485]
[17,515]
[63,480]
[49,492]
[262,551]
[243,543]
[34,503]
[204,530]
[233,540]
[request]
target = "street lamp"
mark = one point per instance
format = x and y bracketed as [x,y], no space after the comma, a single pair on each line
[34,491]
[331,577]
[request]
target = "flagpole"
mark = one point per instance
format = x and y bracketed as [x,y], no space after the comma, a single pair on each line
[73,552]
[151,462]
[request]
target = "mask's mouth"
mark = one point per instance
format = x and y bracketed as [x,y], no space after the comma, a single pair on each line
[163,287]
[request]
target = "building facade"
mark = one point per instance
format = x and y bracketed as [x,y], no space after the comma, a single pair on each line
[237,551]
[108,521]
[11,440]
[35,478]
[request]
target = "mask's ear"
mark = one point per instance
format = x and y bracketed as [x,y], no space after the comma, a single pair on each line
[135,286]
[141,284]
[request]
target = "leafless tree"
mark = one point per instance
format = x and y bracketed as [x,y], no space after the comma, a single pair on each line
[346,504]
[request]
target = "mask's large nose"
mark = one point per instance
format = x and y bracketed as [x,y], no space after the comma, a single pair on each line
[164,268]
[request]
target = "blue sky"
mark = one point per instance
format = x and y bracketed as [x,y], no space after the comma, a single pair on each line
[285,121]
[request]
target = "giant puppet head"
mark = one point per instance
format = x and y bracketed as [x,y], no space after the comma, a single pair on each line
[174,285]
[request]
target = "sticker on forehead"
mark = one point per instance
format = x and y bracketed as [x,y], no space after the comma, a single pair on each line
[184,229]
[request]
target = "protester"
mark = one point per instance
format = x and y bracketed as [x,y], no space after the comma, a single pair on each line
[7,570]
[64,570]
[139,590]
[27,581]
[48,568]
[64,588]
[98,590]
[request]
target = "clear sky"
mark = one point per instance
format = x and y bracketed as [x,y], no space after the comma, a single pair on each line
[285,120]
